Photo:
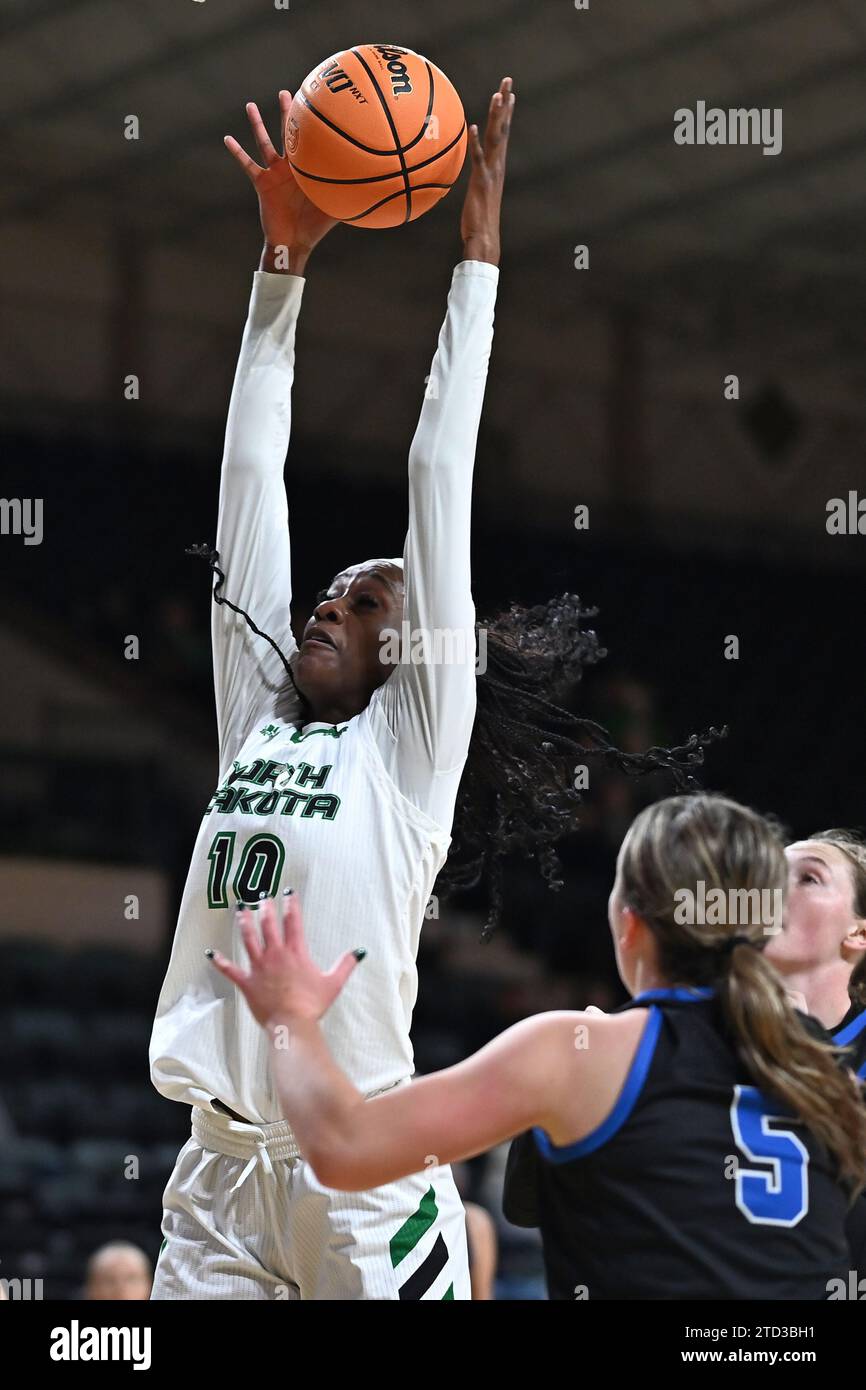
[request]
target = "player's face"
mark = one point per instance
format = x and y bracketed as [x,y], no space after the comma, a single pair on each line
[819,917]
[339,662]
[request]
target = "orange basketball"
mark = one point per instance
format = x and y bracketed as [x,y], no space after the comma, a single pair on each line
[376,135]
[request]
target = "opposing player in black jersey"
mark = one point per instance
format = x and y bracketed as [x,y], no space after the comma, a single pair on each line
[821,954]
[700,1143]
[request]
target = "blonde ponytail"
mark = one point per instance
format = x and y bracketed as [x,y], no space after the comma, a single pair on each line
[786,1061]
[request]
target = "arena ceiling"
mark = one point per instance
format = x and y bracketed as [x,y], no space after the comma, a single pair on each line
[700,239]
[593,149]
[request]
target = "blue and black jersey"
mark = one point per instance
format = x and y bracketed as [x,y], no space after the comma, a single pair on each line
[851,1033]
[696,1185]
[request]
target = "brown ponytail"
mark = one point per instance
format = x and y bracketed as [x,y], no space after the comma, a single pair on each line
[709,849]
[786,1061]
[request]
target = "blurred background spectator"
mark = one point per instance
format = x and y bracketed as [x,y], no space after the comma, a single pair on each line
[118,1271]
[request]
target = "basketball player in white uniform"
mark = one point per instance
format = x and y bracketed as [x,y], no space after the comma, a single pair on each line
[337,778]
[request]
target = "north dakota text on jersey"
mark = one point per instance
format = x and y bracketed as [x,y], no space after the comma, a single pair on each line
[277,789]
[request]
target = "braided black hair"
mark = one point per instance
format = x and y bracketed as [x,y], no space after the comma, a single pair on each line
[517,792]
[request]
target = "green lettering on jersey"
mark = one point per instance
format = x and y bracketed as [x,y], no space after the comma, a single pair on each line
[220,856]
[307,776]
[332,732]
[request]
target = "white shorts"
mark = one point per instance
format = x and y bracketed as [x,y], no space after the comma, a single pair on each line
[245,1217]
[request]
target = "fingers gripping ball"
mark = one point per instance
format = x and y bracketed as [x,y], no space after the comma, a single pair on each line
[376,135]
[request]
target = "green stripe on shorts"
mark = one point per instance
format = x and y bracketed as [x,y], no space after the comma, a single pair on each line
[412,1230]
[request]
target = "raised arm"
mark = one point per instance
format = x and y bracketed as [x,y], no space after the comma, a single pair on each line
[429,704]
[533,1074]
[253,529]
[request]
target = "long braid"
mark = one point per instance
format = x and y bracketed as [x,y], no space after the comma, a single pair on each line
[206,552]
[516,793]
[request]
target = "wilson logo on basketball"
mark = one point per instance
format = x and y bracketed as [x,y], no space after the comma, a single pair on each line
[336,80]
[398,72]
[376,135]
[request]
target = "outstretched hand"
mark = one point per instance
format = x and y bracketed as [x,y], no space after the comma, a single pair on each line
[291,223]
[283,983]
[479,224]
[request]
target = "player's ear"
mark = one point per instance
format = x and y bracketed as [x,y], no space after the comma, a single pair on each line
[856,938]
[632,926]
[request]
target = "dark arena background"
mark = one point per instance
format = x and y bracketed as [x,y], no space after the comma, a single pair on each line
[676,396]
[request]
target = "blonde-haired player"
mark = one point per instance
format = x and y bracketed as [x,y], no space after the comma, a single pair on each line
[821,956]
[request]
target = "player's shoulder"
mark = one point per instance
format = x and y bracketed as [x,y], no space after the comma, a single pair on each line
[563,1019]
[591,1056]
[579,1029]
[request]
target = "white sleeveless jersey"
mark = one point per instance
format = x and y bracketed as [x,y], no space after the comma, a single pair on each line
[356,817]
